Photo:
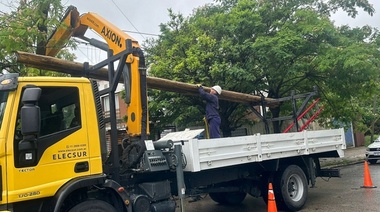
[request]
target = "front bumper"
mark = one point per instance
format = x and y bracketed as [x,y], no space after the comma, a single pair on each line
[372,154]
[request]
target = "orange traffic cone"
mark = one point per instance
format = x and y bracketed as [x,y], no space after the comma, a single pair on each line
[271,201]
[367,177]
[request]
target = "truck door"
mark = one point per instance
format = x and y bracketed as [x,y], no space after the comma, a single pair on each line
[6,102]
[60,151]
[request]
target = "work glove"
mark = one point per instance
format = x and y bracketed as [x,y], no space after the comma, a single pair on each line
[199,85]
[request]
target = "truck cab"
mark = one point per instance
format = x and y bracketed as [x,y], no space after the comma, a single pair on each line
[44,141]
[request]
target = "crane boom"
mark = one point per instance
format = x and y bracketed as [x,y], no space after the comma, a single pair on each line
[75,25]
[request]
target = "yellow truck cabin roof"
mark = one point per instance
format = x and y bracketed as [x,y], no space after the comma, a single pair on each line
[54,79]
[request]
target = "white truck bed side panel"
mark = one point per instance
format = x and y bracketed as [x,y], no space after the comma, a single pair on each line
[326,141]
[215,153]
[228,151]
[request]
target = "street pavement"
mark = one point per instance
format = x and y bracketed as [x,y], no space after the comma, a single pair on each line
[352,155]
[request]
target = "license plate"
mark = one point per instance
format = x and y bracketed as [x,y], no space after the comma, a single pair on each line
[376,153]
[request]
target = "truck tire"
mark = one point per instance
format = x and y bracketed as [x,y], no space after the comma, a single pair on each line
[228,198]
[290,188]
[93,206]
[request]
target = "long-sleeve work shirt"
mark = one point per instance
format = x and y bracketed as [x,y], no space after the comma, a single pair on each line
[212,105]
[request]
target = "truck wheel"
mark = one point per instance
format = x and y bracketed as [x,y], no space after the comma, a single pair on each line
[228,198]
[217,197]
[291,189]
[93,206]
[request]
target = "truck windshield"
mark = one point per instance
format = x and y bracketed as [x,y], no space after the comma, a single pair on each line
[3,103]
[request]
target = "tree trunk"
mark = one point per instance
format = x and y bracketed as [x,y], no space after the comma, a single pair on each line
[276,124]
[76,69]
[225,127]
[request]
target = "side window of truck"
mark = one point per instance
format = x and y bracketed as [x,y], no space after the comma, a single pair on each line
[59,109]
[59,117]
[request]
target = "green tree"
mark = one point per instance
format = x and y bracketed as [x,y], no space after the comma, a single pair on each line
[26,27]
[271,47]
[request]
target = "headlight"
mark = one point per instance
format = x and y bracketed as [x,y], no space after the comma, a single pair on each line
[367,149]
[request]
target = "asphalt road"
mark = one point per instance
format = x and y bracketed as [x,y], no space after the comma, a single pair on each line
[333,195]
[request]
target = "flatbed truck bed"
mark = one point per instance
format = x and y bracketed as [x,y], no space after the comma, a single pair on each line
[204,154]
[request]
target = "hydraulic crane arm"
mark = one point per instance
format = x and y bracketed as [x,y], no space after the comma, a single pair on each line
[63,32]
[75,25]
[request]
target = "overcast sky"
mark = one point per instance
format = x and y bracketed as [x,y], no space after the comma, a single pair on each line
[136,15]
[145,16]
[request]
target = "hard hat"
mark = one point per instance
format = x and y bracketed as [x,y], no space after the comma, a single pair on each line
[218,89]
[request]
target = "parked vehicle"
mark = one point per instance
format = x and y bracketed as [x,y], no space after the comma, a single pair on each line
[372,153]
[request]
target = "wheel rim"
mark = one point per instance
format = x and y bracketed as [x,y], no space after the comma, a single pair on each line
[295,187]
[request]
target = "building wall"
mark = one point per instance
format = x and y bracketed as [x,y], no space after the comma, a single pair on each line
[122,106]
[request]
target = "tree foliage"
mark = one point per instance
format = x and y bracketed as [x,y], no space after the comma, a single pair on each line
[26,27]
[271,47]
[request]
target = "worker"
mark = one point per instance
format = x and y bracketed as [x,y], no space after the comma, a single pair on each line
[212,107]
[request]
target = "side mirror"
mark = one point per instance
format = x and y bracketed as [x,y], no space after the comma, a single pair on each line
[30,127]
[30,112]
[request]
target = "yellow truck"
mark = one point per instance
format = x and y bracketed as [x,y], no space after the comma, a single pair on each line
[54,151]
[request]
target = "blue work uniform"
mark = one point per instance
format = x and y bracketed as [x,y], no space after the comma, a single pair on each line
[212,113]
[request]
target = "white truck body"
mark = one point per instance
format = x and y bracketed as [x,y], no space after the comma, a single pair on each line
[204,154]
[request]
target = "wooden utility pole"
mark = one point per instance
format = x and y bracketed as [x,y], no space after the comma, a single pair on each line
[77,69]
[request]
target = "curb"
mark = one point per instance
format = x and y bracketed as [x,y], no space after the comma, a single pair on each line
[341,162]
